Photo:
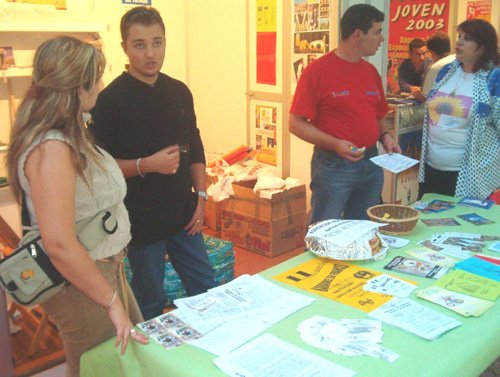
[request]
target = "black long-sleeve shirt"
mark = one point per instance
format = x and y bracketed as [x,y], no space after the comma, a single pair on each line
[133,119]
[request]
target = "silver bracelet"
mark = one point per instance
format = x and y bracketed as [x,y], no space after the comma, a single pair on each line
[113,299]
[138,168]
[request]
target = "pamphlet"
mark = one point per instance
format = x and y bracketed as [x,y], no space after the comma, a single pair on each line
[470,284]
[394,162]
[432,256]
[480,267]
[415,267]
[462,304]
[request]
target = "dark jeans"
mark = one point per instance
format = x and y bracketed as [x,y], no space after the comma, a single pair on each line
[189,258]
[342,188]
[438,182]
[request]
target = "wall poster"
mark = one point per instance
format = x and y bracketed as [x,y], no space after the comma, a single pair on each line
[479,9]
[412,19]
[311,34]
[266,42]
[266,132]
[265,45]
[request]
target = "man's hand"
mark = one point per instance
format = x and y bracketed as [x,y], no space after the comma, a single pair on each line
[165,161]
[348,151]
[389,144]
[196,223]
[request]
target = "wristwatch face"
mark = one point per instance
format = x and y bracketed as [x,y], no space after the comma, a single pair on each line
[203,194]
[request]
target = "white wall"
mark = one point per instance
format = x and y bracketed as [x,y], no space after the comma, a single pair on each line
[216,71]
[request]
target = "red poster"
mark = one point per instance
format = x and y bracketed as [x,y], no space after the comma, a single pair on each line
[266,58]
[412,19]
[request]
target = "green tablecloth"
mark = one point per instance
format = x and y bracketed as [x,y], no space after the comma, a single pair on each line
[464,351]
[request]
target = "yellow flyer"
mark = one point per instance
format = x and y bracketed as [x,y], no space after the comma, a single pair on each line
[337,280]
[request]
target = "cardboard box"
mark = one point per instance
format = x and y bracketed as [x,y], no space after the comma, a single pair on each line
[213,213]
[268,226]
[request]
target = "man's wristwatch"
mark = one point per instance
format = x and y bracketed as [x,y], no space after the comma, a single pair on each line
[203,194]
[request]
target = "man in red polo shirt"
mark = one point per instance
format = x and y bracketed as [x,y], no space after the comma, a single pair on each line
[339,106]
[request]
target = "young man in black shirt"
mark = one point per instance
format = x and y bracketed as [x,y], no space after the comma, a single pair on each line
[141,119]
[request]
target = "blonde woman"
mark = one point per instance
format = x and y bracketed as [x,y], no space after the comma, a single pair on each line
[66,178]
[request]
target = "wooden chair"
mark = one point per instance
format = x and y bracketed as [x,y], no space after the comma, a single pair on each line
[34,315]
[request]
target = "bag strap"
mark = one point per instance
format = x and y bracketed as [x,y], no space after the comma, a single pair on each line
[25,216]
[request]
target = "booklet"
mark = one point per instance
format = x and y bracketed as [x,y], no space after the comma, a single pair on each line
[415,267]
[470,284]
[462,304]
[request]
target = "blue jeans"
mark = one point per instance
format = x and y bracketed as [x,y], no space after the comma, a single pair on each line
[342,189]
[189,258]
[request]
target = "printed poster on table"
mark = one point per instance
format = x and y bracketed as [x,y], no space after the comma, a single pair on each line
[266,144]
[411,19]
[336,280]
[479,9]
[311,34]
[266,41]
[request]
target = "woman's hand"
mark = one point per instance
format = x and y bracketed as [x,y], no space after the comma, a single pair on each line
[124,327]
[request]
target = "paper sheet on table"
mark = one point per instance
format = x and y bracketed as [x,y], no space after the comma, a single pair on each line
[271,357]
[244,296]
[394,162]
[415,318]
[462,304]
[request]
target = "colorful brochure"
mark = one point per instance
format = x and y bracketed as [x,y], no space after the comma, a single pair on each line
[415,267]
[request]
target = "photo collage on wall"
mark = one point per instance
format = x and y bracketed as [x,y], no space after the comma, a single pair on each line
[265,135]
[311,33]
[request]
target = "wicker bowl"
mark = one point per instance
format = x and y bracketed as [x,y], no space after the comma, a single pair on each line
[400,220]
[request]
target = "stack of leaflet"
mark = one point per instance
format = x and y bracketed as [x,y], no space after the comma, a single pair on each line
[221,256]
